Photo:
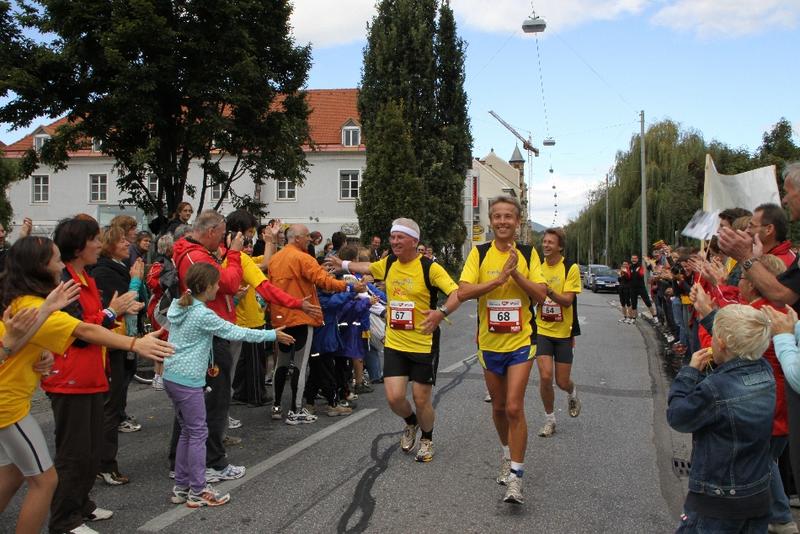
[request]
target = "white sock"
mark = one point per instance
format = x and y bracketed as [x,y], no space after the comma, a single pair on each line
[516,469]
[550,416]
[574,392]
[506,452]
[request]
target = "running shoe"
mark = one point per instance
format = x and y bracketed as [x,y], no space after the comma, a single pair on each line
[301,417]
[229,472]
[505,472]
[623,320]
[179,495]
[337,410]
[83,529]
[574,406]
[351,396]
[487,397]
[128,426]
[207,497]
[364,388]
[409,438]
[233,424]
[99,514]
[425,452]
[172,474]
[276,413]
[113,478]
[514,491]
[347,404]
[311,408]
[548,429]
[783,528]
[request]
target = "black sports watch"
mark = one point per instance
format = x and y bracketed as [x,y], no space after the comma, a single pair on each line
[444,310]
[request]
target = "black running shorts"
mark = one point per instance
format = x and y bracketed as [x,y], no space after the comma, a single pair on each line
[418,367]
[559,348]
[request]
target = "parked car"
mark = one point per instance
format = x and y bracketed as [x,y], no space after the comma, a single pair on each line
[593,267]
[583,270]
[605,280]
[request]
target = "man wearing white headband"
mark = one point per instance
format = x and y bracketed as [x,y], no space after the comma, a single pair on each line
[412,337]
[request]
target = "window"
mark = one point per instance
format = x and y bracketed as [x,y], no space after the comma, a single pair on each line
[152,185]
[97,144]
[38,142]
[98,188]
[216,191]
[348,185]
[285,190]
[351,136]
[41,188]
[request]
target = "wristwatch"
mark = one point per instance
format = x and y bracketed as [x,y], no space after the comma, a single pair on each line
[749,263]
[444,310]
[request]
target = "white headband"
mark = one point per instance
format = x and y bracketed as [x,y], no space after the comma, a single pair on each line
[406,230]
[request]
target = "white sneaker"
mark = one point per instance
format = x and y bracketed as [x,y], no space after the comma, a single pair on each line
[302,417]
[158,383]
[99,514]
[83,529]
[514,491]
[233,424]
[229,472]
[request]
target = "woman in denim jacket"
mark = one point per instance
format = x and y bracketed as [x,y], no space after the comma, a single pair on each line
[729,413]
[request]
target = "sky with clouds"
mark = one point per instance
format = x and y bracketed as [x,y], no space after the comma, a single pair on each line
[722,67]
[725,68]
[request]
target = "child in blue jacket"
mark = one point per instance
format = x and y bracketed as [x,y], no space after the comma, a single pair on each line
[729,412]
[192,329]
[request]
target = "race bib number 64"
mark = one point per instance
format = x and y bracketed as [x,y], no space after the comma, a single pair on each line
[401,315]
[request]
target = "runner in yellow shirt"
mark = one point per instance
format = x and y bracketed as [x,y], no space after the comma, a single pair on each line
[411,350]
[556,326]
[506,284]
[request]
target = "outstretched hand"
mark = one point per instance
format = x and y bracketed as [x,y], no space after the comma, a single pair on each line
[312,310]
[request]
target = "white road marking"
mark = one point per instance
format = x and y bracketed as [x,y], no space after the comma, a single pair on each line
[459,364]
[166,519]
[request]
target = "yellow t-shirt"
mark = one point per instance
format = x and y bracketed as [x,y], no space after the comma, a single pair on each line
[17,377]
[553,320]
[408,297]
[249,313]
[504,313]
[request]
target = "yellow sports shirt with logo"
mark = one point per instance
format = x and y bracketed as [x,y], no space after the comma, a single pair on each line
[552,319]
[407,297]
[504,313]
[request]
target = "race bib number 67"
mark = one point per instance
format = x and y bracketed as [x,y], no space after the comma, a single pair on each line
[401,315]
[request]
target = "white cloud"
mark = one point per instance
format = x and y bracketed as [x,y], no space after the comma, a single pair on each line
[327,23]
[728,18]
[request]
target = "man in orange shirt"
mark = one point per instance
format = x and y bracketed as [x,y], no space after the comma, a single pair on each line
[298,273]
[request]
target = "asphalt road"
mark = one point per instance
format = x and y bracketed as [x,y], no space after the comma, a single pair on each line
[609,470]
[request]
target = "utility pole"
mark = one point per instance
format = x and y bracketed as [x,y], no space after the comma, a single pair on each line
[591,240]
[606,249]
[644,191]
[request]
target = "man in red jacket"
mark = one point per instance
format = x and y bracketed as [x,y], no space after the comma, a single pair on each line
[770,224]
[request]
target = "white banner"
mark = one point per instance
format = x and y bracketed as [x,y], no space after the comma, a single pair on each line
[745,190]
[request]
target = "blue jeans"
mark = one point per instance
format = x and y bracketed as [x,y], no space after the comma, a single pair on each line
[372,361]
[693,523]
[190,456]
[677,315]
[779,511]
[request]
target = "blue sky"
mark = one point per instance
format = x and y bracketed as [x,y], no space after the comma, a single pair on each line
[726,68]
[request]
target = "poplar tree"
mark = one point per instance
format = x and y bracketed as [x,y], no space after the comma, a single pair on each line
[416,61]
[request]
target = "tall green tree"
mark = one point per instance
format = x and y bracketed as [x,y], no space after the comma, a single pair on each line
[164,86]
[8,175]
[414,59]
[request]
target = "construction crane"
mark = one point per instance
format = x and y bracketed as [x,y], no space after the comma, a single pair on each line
[526,143]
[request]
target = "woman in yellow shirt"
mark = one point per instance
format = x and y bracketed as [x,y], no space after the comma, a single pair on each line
[33,270]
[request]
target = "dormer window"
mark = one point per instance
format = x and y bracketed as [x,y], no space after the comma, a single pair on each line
[39,141]
[351,135]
